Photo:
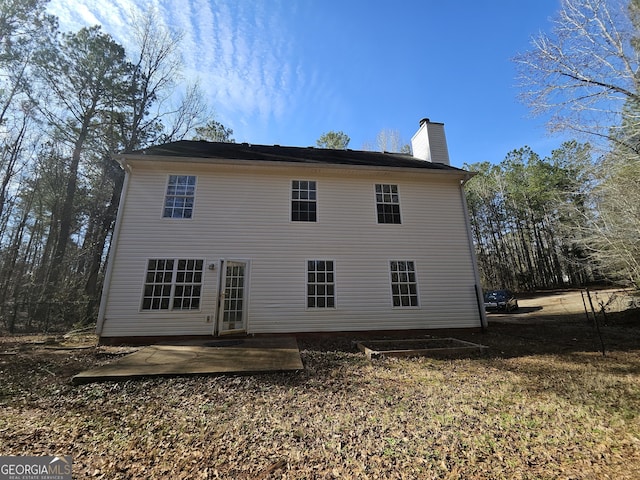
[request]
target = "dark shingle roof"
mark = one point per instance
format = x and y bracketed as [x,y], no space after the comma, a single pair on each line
[276,153]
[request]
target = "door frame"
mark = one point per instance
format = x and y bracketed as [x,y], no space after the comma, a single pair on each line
[220,296]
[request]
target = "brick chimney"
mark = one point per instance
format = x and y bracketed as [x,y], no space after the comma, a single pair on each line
[429,143]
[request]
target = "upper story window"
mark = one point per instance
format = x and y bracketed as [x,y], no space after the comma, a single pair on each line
[181,190]
[388,203]
[303,201]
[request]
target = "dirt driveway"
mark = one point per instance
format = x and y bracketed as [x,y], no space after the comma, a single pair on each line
[550,306]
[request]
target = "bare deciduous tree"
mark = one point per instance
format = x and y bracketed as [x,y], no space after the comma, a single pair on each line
[388,140]
[586,75]
[586,70]
[614,235]
[155,111]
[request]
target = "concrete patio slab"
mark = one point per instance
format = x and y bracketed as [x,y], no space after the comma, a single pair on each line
[214,356]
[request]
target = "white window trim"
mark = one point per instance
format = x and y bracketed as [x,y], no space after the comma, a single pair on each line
[291,200]
[306,285]
[415,269]
[375,205]
[164,198]
[172,310]
[220,265]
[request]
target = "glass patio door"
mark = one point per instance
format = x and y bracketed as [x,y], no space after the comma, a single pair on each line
[233,298]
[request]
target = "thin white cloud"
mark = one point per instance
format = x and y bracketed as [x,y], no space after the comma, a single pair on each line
[86,16]
[177,16]
[113,16]
[241,52]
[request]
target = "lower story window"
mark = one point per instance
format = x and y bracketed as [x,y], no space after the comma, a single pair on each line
[404,285]
[320,284]
[173,284]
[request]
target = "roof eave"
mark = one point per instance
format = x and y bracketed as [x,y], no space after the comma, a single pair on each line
[125,159]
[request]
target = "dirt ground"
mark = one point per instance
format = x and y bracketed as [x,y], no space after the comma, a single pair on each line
[542,402]
[560,304]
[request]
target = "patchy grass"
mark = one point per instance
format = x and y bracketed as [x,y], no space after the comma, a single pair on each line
[543,403]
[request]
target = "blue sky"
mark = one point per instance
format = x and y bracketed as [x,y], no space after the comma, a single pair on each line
[286,71]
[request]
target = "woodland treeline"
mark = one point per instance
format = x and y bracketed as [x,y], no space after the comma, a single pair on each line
[568,220]
[530,217]
[573,218]
[70,101]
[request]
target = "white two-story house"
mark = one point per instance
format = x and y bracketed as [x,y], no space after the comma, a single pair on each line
[223,238]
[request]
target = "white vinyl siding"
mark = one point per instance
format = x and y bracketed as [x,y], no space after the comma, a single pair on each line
[244,212]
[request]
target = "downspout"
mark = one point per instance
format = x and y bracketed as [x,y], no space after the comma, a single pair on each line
[112,251]
[478,289]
